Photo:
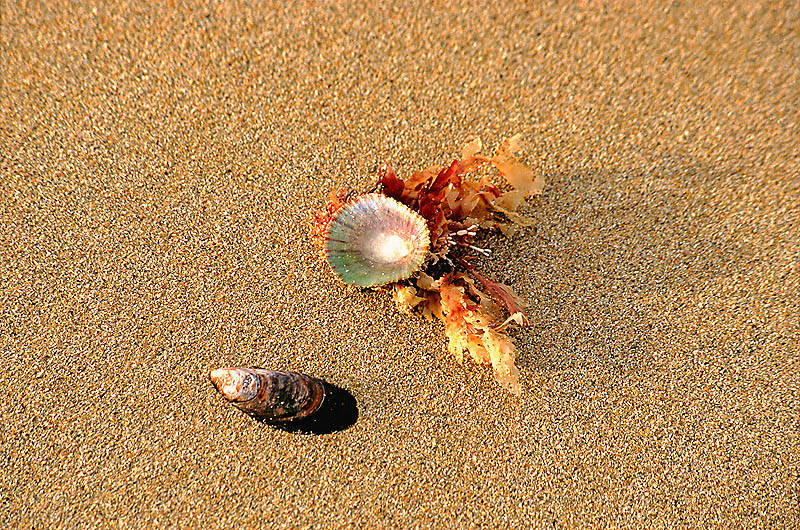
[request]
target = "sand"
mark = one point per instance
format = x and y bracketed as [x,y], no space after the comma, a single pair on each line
[158,166]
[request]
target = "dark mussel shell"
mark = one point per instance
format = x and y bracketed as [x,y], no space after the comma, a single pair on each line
[271,395]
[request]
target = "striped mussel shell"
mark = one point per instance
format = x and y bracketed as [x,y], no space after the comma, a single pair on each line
[272,395]
[374,240]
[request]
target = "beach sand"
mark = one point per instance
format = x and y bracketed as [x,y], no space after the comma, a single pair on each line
[158,168]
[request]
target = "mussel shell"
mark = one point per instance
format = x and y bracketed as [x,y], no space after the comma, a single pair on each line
[272,395]
[374,240]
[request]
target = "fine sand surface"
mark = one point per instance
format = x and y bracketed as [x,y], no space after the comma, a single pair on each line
[158,166]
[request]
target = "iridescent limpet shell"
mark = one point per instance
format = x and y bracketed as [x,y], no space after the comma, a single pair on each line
[374,240]
[272,395]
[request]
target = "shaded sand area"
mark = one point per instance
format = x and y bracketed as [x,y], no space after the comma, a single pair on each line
[157,169]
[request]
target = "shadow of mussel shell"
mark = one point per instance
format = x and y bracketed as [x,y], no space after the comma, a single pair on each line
[289,401]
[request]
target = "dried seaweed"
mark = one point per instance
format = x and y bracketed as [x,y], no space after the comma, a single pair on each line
[456,202]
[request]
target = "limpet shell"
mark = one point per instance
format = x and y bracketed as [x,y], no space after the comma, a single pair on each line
[374,240]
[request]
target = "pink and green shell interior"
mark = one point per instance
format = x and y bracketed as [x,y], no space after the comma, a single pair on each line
[374,240]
